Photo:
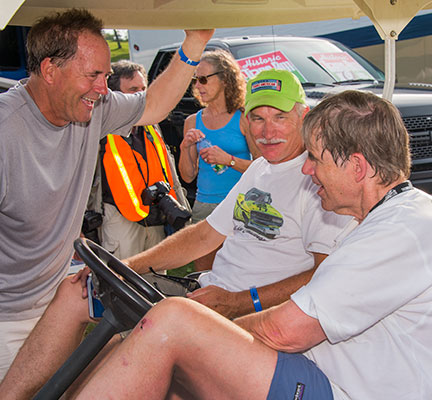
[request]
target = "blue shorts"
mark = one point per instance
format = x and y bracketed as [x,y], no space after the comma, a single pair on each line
[298,378]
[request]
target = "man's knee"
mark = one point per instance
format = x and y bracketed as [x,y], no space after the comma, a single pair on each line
[175,313]
[174,306]
[170,319]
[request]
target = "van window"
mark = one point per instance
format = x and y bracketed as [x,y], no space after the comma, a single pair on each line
[12,52]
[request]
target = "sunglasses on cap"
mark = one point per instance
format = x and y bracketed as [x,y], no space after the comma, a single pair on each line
[203,79]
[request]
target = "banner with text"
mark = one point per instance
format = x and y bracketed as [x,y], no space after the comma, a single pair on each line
[251,66]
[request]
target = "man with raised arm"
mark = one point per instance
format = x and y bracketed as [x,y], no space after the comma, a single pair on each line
[50,128]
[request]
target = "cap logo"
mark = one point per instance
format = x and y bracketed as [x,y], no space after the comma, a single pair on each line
[266,84]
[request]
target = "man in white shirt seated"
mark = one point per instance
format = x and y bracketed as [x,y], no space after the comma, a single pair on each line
[360,329]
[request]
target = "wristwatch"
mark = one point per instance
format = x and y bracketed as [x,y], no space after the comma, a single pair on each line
[232,162]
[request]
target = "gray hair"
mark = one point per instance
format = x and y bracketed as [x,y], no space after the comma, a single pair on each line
[358,122]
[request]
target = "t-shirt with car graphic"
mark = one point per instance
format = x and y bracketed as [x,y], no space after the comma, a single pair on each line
[254,209]
[273,222]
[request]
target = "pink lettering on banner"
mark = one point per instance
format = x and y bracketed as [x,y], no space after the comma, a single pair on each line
[251,66]
[258,61]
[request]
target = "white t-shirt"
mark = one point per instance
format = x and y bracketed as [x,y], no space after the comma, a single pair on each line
[373,298]
[273,220]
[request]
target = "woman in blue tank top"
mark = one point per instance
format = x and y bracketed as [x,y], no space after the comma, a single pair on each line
[220,87]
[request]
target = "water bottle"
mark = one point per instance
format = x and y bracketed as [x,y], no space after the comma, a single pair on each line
[218,168]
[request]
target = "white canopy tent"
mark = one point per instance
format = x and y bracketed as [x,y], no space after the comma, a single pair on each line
[389,16]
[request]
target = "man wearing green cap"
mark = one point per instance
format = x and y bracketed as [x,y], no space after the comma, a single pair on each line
[274,88]
[272,226]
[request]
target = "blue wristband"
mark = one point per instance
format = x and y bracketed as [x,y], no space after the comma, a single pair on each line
[185,58]
[255,299]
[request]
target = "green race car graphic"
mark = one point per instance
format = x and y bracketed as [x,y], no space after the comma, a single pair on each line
[254,209]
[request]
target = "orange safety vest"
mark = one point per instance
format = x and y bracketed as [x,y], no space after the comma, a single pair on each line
[130,170]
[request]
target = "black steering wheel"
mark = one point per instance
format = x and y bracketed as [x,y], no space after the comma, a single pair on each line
[125,301]
[132,291]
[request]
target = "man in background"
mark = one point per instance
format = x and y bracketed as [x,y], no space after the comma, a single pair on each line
[129,167]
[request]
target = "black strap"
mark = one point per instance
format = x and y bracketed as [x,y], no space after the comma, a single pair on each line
[402,187]
[143,153]
[150,138]
[142,130]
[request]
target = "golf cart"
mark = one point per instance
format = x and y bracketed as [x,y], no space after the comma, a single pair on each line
[126,298]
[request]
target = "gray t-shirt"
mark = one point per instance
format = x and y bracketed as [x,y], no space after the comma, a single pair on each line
[46,176]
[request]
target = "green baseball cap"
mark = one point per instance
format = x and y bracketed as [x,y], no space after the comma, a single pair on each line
[276,88]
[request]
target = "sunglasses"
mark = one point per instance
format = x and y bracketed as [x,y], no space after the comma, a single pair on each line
[203,79]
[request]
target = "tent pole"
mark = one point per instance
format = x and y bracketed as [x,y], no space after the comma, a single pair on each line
[390,67]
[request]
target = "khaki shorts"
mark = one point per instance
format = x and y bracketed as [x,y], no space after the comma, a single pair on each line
[125,238]
[13,334]
[201,211]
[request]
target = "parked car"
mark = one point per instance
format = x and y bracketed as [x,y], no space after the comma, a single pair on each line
[13,56]
[323,66]
[6,83]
